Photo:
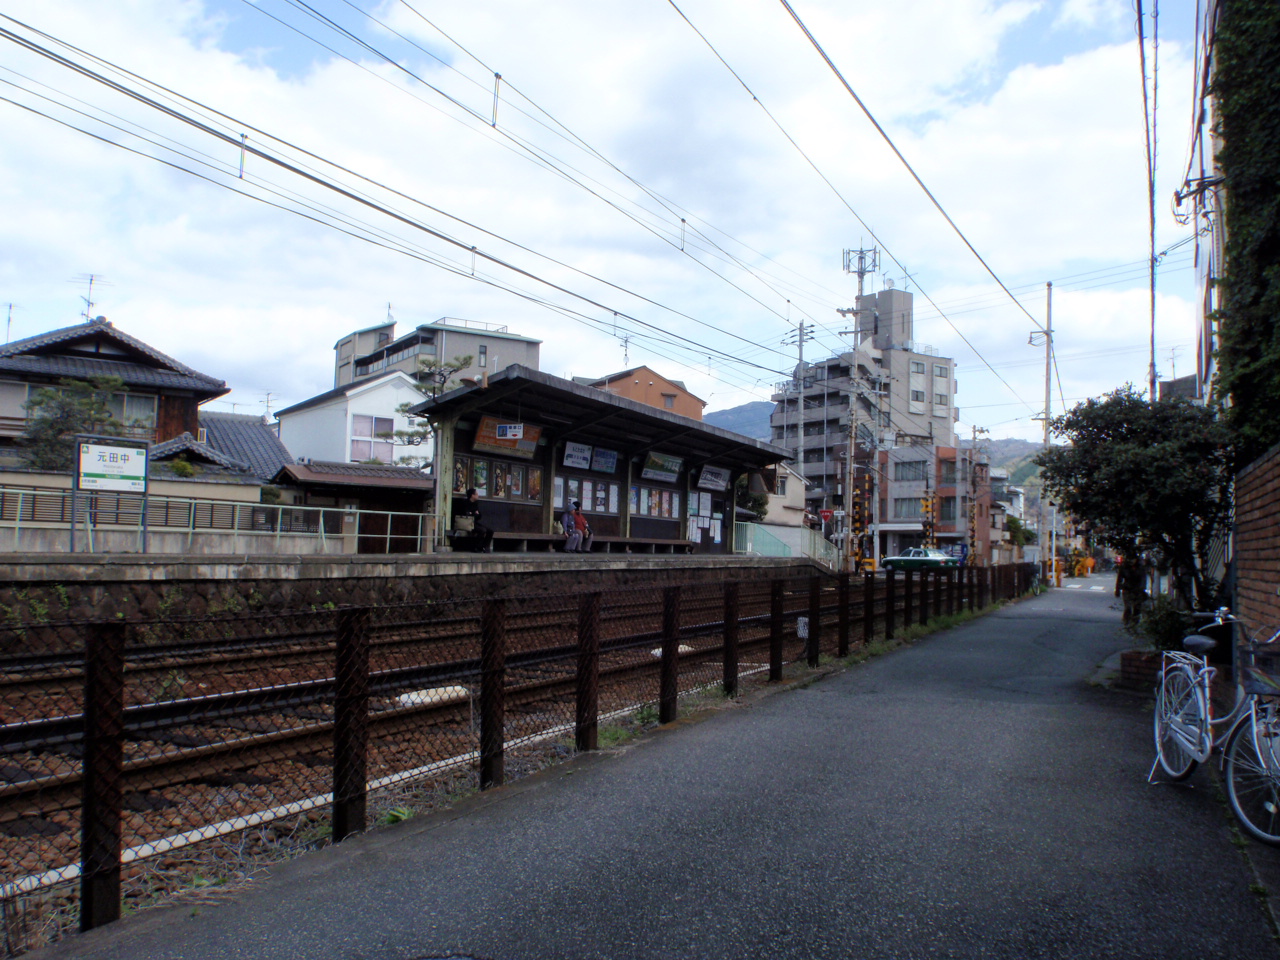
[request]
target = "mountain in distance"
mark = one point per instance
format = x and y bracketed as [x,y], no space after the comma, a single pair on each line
[749,419]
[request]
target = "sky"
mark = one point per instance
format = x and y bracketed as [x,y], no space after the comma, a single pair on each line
[662,183]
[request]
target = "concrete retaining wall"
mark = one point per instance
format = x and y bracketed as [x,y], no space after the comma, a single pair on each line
[40,588]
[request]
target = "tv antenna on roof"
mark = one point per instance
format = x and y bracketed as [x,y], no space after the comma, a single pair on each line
[89,304]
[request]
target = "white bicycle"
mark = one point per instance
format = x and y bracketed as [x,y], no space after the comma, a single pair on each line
[1184,724]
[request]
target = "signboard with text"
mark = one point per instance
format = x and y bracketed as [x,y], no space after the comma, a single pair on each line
[507,437]
[106,466]
[660,467]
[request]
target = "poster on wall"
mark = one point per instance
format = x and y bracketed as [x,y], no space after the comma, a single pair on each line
[558,488]
[577,455]
[500,436]
[604,461]
[533,490]
[602,497]
[659,466]
[713,478]
[480,477]
[705,501]
[461,471]
[515,482]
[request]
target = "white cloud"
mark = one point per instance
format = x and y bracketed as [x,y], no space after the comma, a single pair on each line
[1041,166]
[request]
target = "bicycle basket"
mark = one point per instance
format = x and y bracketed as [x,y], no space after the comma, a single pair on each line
[1260,669]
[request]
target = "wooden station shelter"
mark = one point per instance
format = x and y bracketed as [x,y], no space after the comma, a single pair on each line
[650,481]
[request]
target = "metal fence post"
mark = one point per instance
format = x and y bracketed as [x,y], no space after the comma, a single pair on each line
[922,611]
[868,606]
[813,648]
[493,669]
[668,685]
[842,614]
[890,600]
[587,716]
[731,633]
[777,594]
[908,598]
[939,589]
[102,809]
[951,591]
[350,722]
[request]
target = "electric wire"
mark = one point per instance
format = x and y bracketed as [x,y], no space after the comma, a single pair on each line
[977,353]
[350,194]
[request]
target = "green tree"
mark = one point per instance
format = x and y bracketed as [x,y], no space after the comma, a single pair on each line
[757,503]
[56,414]
[434,378]
[1146,476]
[1019,535]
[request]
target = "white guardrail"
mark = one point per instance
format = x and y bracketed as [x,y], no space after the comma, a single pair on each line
[39,521]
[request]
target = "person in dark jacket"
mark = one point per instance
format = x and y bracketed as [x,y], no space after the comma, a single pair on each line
[480,534]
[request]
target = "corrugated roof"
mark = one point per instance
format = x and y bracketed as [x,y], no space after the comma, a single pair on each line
[569,411]
[246,438]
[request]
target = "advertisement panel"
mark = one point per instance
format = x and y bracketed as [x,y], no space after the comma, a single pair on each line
[507,437]
[660,467]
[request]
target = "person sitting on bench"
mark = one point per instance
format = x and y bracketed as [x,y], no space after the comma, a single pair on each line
[467,519]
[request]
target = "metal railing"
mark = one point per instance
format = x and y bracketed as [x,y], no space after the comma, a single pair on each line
[40,521]
[753,539]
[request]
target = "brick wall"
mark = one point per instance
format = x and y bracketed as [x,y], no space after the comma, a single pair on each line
[1257,540]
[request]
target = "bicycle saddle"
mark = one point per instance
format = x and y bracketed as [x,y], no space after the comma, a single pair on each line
[1197,644]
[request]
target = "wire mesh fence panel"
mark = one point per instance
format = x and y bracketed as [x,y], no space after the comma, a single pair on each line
[700,644]
[424,677]
[630,655]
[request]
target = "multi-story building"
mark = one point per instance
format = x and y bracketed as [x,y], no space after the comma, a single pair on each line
[377,350]
[896,396]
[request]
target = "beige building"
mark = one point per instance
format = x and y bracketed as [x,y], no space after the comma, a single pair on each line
[647,386]
[377,350]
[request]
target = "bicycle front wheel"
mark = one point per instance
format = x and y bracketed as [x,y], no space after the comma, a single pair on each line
[1180,719]
[1252,771]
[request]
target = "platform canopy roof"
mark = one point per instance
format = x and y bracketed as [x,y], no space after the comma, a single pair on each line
[571,411]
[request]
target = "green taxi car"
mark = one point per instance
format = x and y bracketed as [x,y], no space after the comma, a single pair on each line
[917,558]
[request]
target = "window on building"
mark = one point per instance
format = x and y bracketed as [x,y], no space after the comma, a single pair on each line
[371,438]
[947,509]
[939,370]
[910,470]
[940,399]
[780,486]
[917,395]
[136,411]
[948,471]
[917,366]
[484,356]
[908,508]
[884,419]
[669,401]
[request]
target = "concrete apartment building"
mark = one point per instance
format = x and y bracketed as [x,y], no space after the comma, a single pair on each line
[897,396]
[376,350]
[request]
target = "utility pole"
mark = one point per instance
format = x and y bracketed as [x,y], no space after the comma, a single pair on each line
[1046,332]
[860,262]
[804,331]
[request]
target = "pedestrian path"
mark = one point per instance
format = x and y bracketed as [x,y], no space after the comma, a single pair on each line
[968,796]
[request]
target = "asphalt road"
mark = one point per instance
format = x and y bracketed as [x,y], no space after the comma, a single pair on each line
[970,796]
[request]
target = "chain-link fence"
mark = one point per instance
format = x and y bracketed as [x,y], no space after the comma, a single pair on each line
[144,759]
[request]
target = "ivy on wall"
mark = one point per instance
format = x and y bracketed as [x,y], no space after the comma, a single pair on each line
[1246,88]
